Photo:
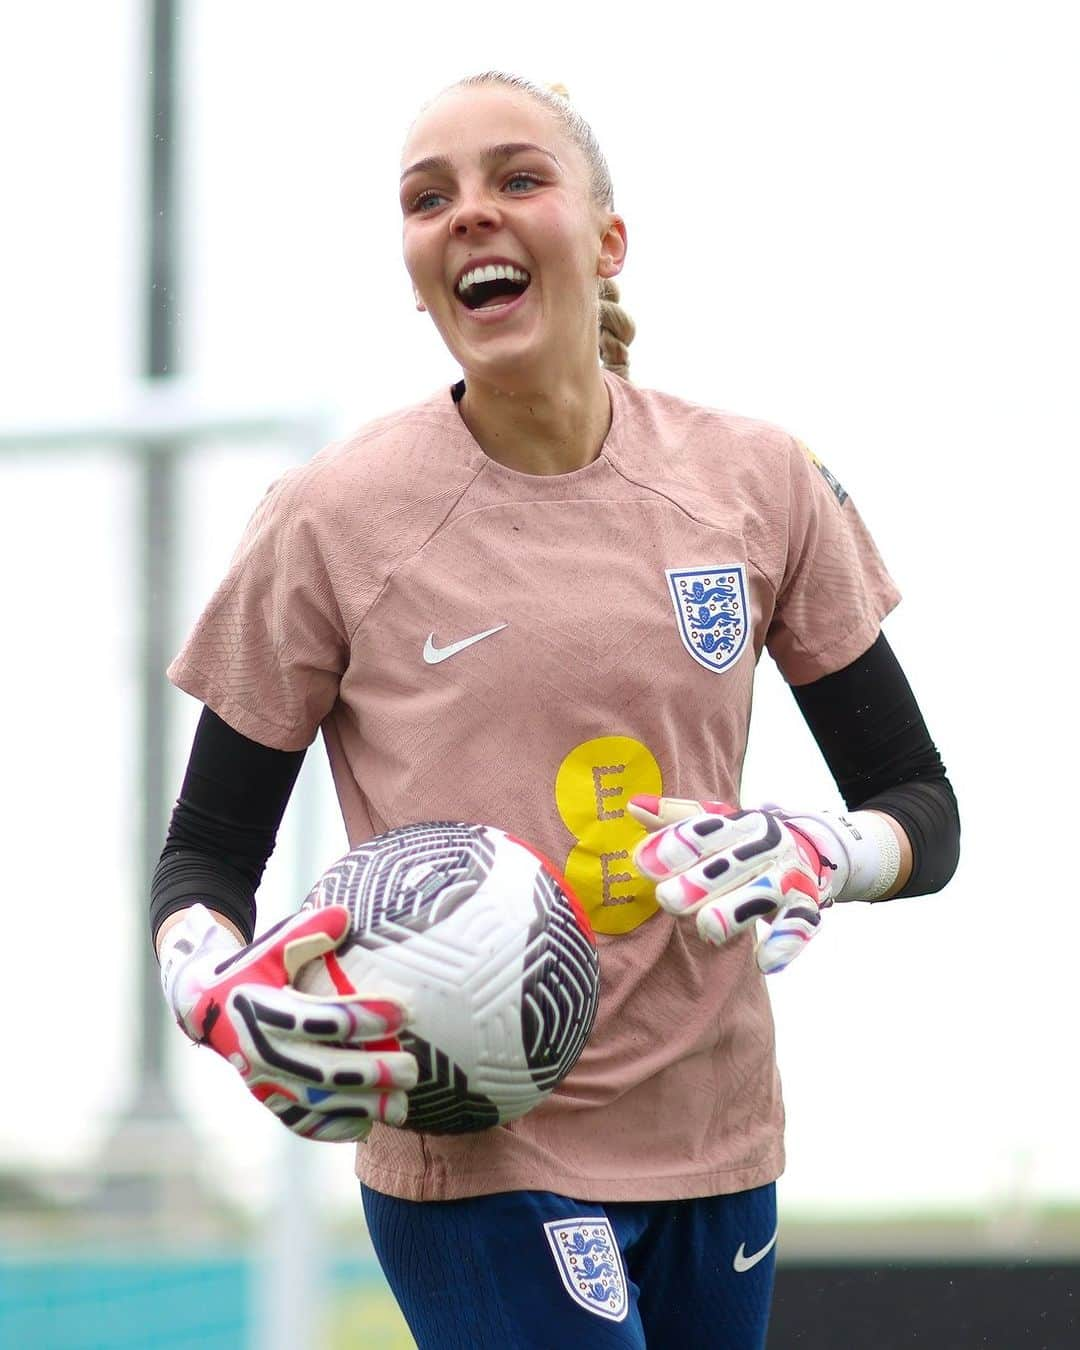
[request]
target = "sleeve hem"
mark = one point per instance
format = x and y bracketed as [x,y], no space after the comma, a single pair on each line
[809,666]
[242,719]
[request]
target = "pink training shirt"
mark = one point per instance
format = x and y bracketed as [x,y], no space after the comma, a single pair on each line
[617,614]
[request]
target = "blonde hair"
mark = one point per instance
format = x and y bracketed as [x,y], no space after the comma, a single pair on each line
[616,328]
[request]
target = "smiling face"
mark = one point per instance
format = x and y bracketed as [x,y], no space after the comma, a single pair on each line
[503,238]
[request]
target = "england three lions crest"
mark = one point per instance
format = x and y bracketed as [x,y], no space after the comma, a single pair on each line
[713,610]
[590,1264]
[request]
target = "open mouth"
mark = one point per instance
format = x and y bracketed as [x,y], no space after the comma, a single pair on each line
[493,285]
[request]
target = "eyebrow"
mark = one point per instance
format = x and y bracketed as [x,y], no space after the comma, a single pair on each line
[443,164]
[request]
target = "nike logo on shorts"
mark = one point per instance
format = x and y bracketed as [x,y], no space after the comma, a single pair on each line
[742,1262]
[433,655]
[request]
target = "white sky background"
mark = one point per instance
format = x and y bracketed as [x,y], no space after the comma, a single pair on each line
[855,220]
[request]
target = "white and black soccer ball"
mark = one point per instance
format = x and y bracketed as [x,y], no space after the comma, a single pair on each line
[478,935]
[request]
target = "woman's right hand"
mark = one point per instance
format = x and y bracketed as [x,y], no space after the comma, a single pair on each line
[326,1067]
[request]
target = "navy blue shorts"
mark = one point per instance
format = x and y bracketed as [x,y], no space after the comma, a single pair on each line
[532,1270]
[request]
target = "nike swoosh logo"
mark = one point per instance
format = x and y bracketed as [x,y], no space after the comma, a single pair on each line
[433,655]
[743,1262]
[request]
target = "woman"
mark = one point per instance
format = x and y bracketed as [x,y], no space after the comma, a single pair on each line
[527,601]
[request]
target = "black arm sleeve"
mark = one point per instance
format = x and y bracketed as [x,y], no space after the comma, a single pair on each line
[874,740]
[224,825]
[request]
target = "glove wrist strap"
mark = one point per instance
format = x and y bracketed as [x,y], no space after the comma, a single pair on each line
[860,846]
[197,934]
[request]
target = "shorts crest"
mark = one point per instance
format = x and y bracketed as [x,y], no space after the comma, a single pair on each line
[589,1261]
[712,610]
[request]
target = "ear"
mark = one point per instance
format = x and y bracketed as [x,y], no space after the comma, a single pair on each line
[612,248]
[419,303]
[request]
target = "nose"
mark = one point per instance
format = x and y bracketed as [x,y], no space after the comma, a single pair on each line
[475,212]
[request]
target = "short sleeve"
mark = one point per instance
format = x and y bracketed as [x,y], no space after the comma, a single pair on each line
[835,590]
[268,651]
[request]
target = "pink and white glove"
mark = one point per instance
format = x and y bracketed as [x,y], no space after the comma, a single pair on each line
[731,868]
[326,1067]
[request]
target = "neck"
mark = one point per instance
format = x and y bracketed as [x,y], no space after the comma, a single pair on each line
[554,430]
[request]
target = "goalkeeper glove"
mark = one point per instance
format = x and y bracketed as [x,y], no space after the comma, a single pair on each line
[858,847]
[731,868]
[326,1067]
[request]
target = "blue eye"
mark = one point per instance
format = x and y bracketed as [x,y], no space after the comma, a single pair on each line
[530,180]
[426,200]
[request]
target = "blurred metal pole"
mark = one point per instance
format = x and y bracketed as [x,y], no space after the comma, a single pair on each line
[151,1145]
[157,546]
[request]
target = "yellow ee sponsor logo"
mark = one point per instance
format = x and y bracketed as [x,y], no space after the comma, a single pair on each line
[592,787]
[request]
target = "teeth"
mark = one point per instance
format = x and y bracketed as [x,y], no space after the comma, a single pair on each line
[499,272]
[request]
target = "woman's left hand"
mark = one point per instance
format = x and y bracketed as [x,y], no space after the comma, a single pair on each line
[731,868]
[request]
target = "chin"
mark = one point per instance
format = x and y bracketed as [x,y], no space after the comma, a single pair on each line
[508,364]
